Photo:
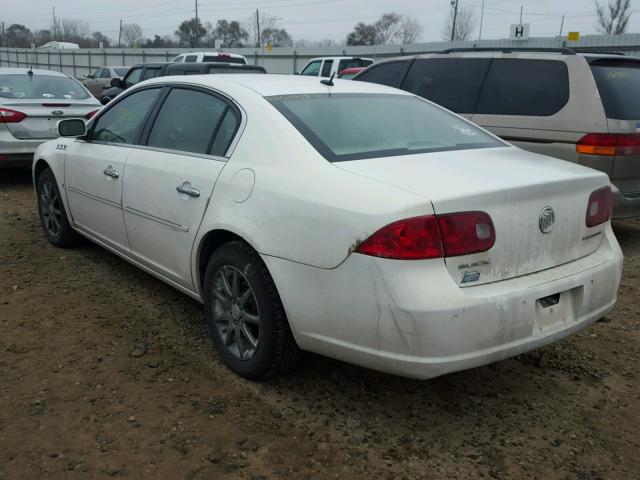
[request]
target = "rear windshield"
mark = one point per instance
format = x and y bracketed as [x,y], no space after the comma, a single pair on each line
[619,86]
[121,72]
[41,86]
[357,126]
[223,59]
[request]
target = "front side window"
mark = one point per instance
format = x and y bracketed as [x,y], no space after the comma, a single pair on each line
[122,122]
[188,121]
[132,77]
[313,69]
[358,126]
[326,68]
[524,87]
[453,83]
[41,87]
[390,74]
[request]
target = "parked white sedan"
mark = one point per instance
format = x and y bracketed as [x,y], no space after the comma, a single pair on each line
[349,219]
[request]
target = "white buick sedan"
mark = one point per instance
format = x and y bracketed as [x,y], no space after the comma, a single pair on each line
[348,219]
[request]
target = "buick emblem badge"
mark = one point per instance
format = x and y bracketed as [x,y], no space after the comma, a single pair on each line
[546,219]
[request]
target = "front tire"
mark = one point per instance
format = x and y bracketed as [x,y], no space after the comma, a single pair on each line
[53,216]
[245,316]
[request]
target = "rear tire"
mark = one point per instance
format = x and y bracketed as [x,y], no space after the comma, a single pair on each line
[53,216]
[245,316]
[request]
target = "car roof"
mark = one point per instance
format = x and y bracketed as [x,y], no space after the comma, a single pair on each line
[14,71]
[340,57]
[273,84]
[212,53]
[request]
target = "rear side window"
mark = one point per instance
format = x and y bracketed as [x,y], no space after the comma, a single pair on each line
[191,58]
[326,68]
[390,74]
[150,73]
[187,121]
[619,86]
[453,83]
[353,62]
[524,87]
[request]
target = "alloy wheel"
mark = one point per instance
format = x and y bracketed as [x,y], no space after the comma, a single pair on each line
[235,312]
[51,209]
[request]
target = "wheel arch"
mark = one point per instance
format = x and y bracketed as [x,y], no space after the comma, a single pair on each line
[40,166]
[209,243]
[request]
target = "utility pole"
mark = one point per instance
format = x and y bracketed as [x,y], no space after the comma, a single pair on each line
[561,26]
[257,28]
[520,14]
[55,25]
[481,18]
[4,39]
[120,34]
[455,18]
[197,19]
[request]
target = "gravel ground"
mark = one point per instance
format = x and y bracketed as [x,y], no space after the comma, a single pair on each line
[106,372]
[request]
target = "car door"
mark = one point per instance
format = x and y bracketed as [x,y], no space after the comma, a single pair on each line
[95,167]
[171,176]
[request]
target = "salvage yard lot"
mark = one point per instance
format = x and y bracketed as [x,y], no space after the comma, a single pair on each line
[106,372]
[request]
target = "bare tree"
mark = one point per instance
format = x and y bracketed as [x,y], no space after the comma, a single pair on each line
[410,30]
[613,19]
[465,24]
[267,22]
[131,34]
[387,28]
[324,43]
[72,30]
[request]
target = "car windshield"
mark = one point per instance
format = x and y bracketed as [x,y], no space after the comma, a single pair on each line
[619,87]
[347,126]
[41,87]
[121,71]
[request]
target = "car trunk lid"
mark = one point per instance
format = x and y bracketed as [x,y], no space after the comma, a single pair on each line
[514,188]
[42,116]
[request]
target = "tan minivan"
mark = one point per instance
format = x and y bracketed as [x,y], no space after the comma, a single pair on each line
[584,108]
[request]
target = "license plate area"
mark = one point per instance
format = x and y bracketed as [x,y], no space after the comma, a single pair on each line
[557,309]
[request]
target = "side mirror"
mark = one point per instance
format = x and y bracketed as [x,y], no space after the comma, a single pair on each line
[116,82]
[73,127]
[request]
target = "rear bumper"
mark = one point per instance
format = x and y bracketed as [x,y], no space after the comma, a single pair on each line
[15,152]
[411,319]
[624,206]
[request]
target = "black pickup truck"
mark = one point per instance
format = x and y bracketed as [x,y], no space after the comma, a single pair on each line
[145,71]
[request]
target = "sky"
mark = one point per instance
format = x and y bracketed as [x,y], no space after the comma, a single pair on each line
[313,19]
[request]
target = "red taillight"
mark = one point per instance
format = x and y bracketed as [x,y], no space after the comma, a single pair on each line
[90,114]
[11,116]
[466,233]
[609,144]
[411,239]
[599,207]
[432,236]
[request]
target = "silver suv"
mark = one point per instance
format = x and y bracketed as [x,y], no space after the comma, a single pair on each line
[584,108]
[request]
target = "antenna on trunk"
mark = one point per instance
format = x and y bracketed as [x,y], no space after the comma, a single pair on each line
[329,82]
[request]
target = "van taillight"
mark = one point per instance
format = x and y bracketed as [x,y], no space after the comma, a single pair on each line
[432,236]
[600,207]
[609,144]
[11,116]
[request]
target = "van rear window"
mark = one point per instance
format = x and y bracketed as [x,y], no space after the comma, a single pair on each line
[619,86]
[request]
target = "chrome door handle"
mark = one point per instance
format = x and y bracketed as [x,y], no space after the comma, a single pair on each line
[110,172]
[187,189]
